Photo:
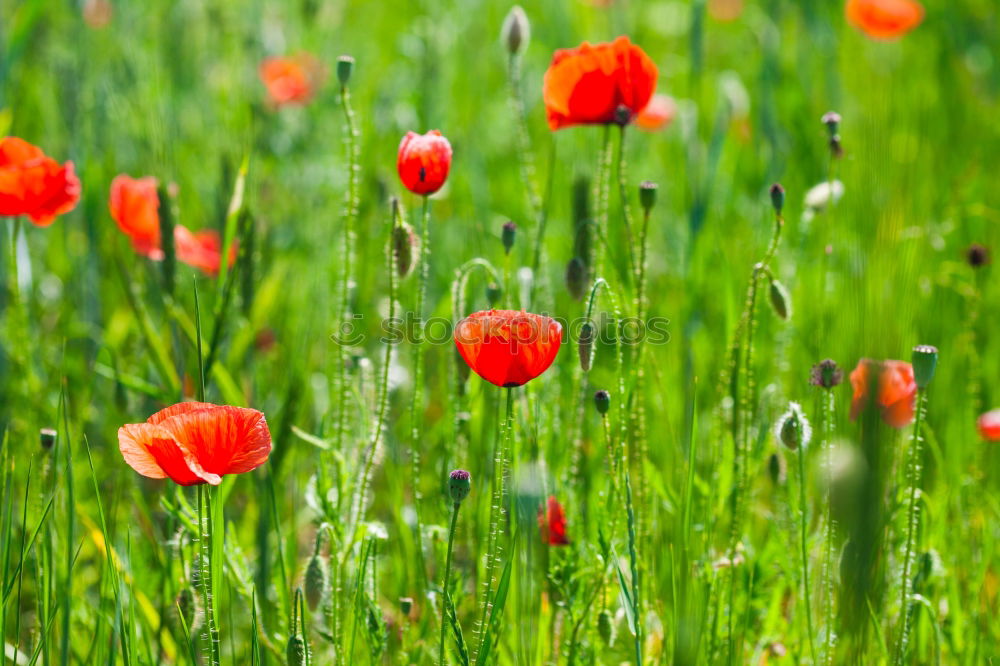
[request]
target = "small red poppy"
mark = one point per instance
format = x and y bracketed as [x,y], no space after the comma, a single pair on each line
[989,425]
[135,204]
[658,113]
[423,161]
[507,347]
[33,184]
[897,390]
[884,19]
[588,85]
[196,442]
[552,520]
[291,80]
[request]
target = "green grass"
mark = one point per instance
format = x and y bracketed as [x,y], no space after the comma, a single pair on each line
[94,557]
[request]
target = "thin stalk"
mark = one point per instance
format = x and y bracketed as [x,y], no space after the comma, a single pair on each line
[205,539]
[603,187]
[912,518]
[446,598]
[831,528]
[626,209]
[803,524]
[634,564]
[417,408]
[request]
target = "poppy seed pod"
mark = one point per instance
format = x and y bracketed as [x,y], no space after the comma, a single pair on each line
[793,429]
[777,197]
[576,278]
[405,248]
[345,66]
[507,235]
[516,31]
[47,438]
[585,345]
[647,195]
[315,581]
[780,300]
[602,401]
[459,485]
[924,362]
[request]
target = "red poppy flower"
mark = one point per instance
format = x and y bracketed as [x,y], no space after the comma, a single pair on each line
[658,113]
[423,161]
[291,80]
[196,442]
[135,205]
[552,520]
[897,390]
[33,184]
[507,347]
[587,85]
[884,19]
[989,425]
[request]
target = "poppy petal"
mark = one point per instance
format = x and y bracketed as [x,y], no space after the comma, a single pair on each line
[222,439]
[154,452]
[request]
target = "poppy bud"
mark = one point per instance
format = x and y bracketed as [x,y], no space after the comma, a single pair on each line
[780,300]
[602,401]
[924,362]
[345,65]
[793,429]
[296,651]
[459,485]
[647,195]
[776,469]
[576,278]
[777,197]
[405,605]
[826,374]
[188,608]
[493,293]
[507,235]
[405,248]
[424,161]
[586,345]
[606,627]
[516,31]
[832,121]
[315,581]
[47,438]
[977,255]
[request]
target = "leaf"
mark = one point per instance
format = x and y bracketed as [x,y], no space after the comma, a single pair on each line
[627,602]
[461,649]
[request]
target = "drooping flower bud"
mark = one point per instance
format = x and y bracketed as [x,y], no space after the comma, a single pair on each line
[189,608]
[47,438]
[826,374]
[516,31]
[345,66]
[586,345]
[924,363]
[405,605]
[576,278]
[459,485]
[405,248]
[296,651]
[647,195]
[793,429]
[315,581]
[602,401]
[606,627]
[507,235]
[780,300]
[777,197]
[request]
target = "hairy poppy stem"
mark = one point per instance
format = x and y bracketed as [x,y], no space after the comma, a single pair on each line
[206,537]
[913,474]
[417,407]
[626,208]
[634,564]
[446,597]
[803,524]
[829,414]
[603,194]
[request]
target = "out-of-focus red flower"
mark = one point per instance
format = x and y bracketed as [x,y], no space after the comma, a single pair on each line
[97,13]
[423,161]
[588,85]
[34,184]
[552,520]
[989,425]
[508,347]
[884,19]
[196,442]
[897,390]
[291,80]
[725,10]
[657,114]
[135,204]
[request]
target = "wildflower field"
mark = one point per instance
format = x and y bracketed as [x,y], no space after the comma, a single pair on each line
[588,332]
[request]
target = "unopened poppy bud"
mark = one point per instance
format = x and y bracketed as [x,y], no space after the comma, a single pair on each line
[493,292]
[606,627]
[977,255]
[602,401]
[776,469]
[924,362]
[647,194]
[405,605]
[459,485]
[780,300]
[187,607]
[345,66]
[777,197]
[793,429]
[832,121]
[296,651]
[586,345]
[576,277]
[826,374]
[315,581]
[507,236]
[405,248]
[516,31]
[47,438]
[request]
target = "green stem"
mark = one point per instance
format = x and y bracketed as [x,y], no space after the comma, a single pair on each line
[205,538]
[603,186]
[828,416]
[803,522]
[445,598]
[912,517]
[417,408]
[634,564]
[623,195]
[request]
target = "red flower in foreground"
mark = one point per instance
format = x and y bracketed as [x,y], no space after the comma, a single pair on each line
[989,425]
[423,161]
[291,80]
[897,390]
[135,206]
[588,84]
[196,442]
[552,520]
[658,113]
[507,347]
[33,184]
[884,19]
